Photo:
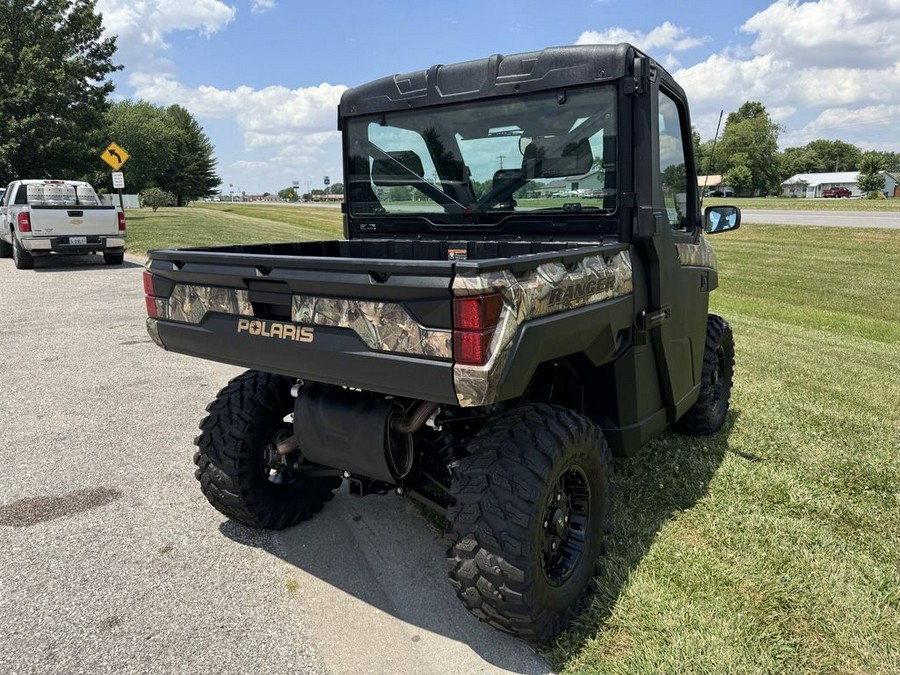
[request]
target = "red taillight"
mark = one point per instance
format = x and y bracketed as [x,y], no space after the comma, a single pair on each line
[471,348]
[149,298]
[474,320]
[477,312]
[121,222]
[23,222]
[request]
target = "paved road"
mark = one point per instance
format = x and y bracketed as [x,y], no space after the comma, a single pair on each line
[111,561]
[880,220]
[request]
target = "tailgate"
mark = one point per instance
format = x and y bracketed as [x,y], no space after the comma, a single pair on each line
[74,220]
[380,325]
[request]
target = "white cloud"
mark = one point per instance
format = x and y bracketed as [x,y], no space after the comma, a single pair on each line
[141,27]
[148,22]
[295,130]
[874,127]
[271,111]
[828,33]
[283,131]
[666,36]
[819,67]
[262,6]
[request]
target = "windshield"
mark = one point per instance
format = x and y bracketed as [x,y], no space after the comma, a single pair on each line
[477,162]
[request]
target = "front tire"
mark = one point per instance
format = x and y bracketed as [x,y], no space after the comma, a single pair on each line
[707,414]
[240,472]
[22,260]
[532,513]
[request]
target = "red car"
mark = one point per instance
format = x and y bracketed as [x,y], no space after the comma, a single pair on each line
[836,192]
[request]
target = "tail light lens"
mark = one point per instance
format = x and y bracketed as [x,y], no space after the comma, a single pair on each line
[471,348]
[474,319]
[23,221]
[121,222]
[149,298]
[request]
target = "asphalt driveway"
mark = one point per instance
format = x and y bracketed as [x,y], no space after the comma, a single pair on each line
[111,561]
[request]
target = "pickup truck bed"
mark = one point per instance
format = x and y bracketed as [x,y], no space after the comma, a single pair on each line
[39,217]
[381,311]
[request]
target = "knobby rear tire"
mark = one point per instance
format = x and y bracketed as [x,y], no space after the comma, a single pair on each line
[231,452]
[503,494]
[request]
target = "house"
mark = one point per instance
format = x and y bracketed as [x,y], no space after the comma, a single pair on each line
[713,185]
[812,184]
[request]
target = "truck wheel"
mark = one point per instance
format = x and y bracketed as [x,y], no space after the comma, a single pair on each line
[113,258]
[708,412]
[5,249]
[22,260]
[238,466]
[532,514]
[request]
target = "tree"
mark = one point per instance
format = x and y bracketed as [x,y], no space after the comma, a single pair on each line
[168,150]
[870,180]
[193,173]
[836,155]
[288,194]
[154,198]
[740,178]
[336,189]
[800,160]
[890,161]
[149,136]
[709,163]
[53,87]
[750,139]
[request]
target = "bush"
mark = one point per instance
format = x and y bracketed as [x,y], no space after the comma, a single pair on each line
[876,195]
[154,198]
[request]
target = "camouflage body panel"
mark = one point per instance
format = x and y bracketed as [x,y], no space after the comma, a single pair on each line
[383,326]
[700,254]
[189,303]
[548,289]
[153,331]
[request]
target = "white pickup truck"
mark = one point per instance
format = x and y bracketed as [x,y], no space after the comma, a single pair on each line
[40,217]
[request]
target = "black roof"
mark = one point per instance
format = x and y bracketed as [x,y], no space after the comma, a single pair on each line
[495,75]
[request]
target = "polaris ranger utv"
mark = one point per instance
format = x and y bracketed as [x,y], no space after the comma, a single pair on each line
[522,290]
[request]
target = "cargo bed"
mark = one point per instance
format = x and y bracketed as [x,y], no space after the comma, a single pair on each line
[381,311]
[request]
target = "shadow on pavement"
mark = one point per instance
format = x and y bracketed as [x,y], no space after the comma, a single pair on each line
[74,263]
[381,552]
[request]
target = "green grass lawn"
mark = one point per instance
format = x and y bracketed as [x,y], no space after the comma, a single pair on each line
[209,224]
[774,545]
[212,224]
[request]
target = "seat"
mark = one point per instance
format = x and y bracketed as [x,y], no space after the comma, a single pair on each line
[503,180]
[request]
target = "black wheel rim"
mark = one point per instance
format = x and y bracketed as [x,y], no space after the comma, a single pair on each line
[565,525]
[278,469]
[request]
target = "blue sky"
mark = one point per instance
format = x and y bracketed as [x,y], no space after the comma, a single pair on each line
[263,77]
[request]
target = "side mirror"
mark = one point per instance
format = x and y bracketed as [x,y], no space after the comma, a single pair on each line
[721,219]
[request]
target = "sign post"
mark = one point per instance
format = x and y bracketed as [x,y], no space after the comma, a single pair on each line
[116,156]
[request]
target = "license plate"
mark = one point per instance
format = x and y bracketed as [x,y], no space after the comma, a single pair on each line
[77,241]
